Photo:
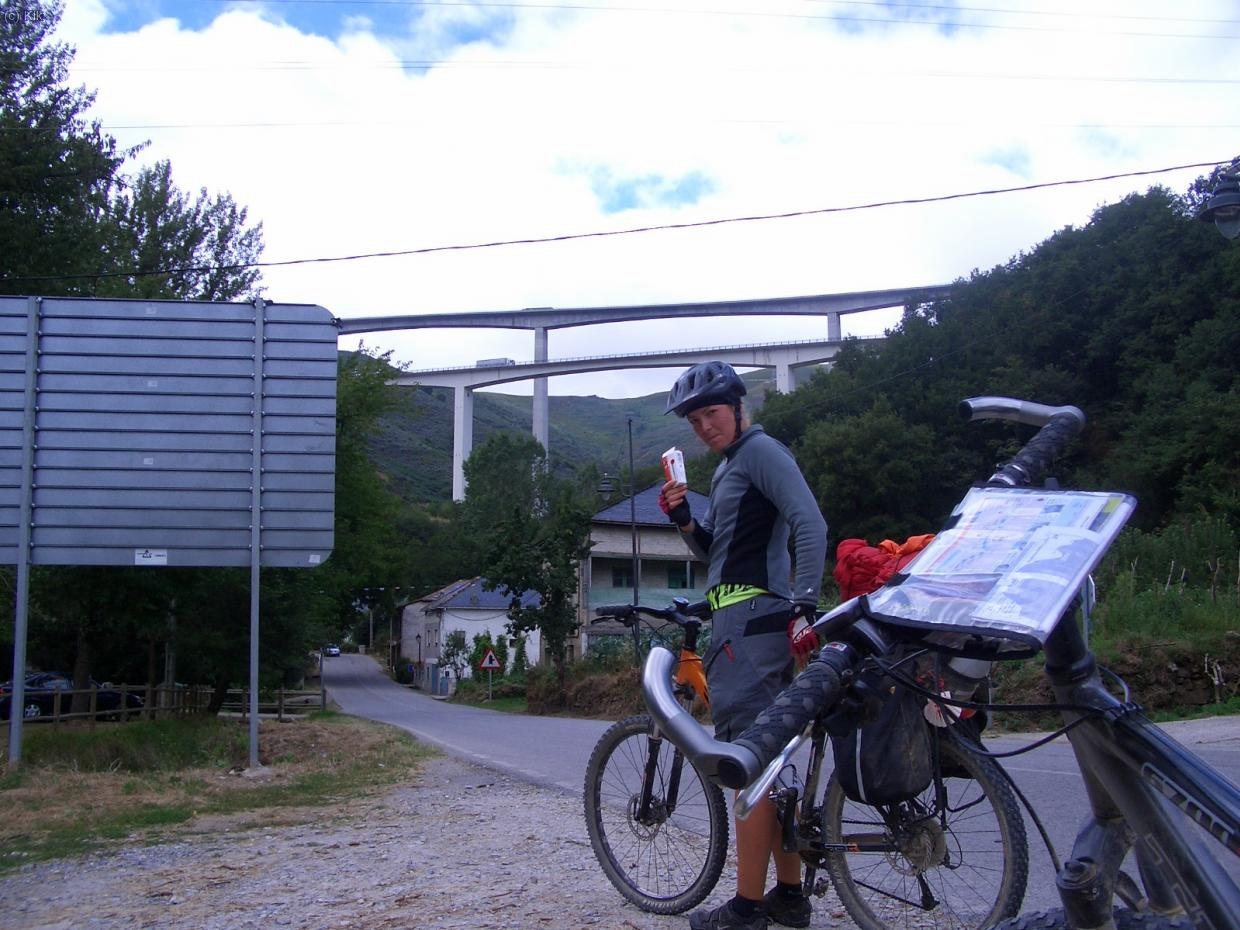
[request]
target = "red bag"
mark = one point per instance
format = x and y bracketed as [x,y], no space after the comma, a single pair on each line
[861,568]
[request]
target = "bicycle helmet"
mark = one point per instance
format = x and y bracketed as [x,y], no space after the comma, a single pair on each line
[703,385]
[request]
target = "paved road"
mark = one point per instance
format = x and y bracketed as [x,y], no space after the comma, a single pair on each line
[548,751]
[553,751]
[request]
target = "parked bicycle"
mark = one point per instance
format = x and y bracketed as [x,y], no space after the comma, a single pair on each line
[1008,578]
[658,827]
[952,854]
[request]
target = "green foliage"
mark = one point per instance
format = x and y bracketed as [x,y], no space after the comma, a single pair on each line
[532,531]
[520,662]
[484,641]
[1135,318]
[200,250]
[454,652]
[57,170]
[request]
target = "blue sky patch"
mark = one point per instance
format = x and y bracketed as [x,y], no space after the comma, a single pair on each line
[328,18]
[883,15]
[1015,160]
[615,195]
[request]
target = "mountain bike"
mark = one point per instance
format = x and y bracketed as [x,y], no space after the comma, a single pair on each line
[953,854]
[1009,577]
[658,827]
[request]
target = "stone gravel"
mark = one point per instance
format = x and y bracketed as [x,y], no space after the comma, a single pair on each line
[465,848]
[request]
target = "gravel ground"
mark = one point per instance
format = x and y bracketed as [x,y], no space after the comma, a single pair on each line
[467,848]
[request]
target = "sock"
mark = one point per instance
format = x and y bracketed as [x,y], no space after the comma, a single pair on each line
[789,891]
[745,908]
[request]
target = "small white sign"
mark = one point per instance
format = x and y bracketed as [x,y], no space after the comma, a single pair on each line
[150,557]
[489,660]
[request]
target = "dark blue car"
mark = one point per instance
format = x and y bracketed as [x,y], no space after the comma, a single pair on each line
[47,690]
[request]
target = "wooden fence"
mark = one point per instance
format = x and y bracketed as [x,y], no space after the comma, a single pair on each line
[144,702]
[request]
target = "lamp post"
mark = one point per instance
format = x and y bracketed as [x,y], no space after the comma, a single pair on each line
[637,644]
[1223,207]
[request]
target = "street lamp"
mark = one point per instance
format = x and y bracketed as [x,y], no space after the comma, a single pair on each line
[1223,207]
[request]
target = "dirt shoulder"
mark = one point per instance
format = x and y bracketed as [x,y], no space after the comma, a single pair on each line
[466,848]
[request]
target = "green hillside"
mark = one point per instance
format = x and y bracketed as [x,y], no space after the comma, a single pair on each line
[413,444]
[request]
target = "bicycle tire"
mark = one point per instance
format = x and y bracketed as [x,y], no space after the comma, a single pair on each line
[1125,919]
[670,862]
[974,866]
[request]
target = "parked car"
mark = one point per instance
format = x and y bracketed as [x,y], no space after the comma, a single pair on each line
[47,690]
[331,650]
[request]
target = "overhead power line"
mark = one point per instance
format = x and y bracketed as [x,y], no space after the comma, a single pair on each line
[598,234]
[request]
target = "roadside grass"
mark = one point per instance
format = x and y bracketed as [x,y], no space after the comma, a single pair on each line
[79,789]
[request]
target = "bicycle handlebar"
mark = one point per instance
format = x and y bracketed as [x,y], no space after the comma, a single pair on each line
[736,764]
[1059,426]
[712,757]
[679,612]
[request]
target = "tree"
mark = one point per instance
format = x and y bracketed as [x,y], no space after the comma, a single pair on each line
[178,249]
[534,530]
[454,653]
[57,170]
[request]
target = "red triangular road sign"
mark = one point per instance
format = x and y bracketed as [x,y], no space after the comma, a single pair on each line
[489,660]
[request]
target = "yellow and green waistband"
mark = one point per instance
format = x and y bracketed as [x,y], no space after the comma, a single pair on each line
[725,595]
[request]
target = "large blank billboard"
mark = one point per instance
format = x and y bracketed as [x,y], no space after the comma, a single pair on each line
[157,432]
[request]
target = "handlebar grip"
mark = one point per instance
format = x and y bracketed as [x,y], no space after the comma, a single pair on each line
[621,612]
[813,691]
[1060,425]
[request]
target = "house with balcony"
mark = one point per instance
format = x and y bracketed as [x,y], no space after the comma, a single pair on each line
[664,566]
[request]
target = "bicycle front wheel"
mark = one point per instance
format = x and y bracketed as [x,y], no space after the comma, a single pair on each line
[658,828]
[956,862]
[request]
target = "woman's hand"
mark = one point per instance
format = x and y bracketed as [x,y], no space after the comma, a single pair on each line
[672,501]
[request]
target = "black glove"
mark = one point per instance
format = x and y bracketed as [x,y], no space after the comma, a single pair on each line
[681,515]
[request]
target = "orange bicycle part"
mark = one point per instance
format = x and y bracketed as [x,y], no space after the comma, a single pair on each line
[690,672]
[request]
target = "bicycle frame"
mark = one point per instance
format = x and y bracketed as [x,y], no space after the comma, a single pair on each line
[1136,778]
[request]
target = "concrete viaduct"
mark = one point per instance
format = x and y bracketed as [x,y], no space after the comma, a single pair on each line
[783,357]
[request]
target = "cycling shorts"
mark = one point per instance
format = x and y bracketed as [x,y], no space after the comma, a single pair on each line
[749,661]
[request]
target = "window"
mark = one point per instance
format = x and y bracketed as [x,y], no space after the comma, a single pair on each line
[680,575]
[622,576]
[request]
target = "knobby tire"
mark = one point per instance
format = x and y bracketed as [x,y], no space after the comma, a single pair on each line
[965,874]
[671,862]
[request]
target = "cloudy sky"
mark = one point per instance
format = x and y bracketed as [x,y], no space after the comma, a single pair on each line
[359,126]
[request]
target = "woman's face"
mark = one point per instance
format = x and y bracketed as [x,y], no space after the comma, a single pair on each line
[714,425]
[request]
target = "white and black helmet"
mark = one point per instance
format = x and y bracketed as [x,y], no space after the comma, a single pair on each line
[703,385]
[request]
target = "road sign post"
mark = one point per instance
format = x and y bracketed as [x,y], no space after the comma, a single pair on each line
[490,662]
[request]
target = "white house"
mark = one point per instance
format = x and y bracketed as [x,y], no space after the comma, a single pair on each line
[463,605]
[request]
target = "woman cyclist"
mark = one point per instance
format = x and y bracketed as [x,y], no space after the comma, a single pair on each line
[758,502]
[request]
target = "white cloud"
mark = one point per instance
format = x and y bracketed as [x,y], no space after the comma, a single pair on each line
[340,146]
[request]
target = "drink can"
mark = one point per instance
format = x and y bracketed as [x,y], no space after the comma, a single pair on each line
[674,465]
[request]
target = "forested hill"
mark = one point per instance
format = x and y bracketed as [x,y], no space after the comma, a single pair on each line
[1135,318]
[413,445]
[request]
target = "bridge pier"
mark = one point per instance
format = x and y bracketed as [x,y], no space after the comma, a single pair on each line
[541,413]
[462,437]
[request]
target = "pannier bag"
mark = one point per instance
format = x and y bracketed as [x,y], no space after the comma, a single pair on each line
[888,759]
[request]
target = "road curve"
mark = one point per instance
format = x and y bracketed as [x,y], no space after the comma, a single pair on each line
[548,751]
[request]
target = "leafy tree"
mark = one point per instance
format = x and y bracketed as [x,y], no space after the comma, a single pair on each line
[197,251]
[534,531]
[57,170]
[1132,318]
[454,652]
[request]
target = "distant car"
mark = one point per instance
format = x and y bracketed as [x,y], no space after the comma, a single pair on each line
[331,650]
[47,690]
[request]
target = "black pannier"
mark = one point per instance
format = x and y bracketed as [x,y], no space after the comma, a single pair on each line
[889,758]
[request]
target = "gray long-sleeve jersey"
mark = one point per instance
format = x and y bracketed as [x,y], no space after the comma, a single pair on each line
[758,498]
